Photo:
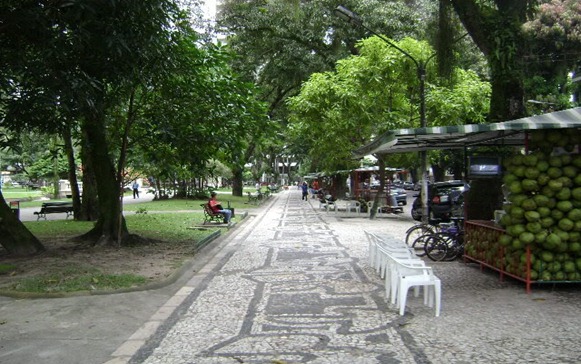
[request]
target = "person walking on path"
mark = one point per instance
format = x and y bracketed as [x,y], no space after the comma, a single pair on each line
[305,191]
[135,188]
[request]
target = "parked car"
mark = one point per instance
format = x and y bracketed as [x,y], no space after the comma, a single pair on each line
[445,199]
[418,185]
[400,194]
[408,186]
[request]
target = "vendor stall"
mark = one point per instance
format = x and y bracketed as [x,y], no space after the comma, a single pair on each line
[540,240]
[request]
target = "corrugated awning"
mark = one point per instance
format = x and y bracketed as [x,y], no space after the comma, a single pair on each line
[459,136]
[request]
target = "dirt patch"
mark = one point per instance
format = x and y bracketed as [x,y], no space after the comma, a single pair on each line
[154,260]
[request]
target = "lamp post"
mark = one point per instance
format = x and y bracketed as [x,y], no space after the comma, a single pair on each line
[353,18]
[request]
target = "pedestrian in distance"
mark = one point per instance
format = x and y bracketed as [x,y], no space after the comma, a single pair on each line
[305,189]
[217,208]
[135,188]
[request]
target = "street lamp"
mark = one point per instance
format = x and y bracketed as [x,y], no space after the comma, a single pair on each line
[353,18]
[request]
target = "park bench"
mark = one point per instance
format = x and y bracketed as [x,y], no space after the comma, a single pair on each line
[54,208]
[211,216]
[254,198]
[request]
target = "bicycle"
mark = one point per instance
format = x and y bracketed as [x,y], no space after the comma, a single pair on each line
[417,231]
[447,244]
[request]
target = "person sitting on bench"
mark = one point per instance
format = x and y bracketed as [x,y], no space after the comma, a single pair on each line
[217,208]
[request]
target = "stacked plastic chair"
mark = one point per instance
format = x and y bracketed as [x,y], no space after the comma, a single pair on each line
[395,262]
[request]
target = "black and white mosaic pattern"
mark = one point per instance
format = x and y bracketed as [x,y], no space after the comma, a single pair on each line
[294,286]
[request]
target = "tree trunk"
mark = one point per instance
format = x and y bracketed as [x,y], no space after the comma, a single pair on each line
[507,99]
[439,172]
[237,183]
[89,202]
[75,192]
[381,163]
[110,227]
[499,36]
[14,236]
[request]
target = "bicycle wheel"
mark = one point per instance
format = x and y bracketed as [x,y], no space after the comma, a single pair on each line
[419,244]
[453,246]
[436,247]
[458,246]
[416,231]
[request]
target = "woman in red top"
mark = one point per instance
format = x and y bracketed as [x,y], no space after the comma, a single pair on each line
[315,188]
[216,207]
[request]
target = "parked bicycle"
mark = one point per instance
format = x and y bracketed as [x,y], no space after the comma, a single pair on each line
[446,244]
[419,230]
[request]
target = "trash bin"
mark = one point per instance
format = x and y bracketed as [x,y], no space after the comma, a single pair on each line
[15,207]
[231,208]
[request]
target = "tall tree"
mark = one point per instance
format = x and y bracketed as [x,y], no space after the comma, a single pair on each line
[375,92]
[219,114]
[496,28]
[24,29]
[14,236]
[281,43]
[553,51]
[113,47]
[82,58]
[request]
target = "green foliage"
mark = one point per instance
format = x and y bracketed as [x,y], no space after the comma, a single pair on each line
[280,44]
[44,167]
[467,101]
[337,112]
[7,268]
[75,278]
[141,210]
[517,50]
[553,37]
[217,117]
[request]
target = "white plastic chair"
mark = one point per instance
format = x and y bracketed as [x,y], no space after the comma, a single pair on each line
[386,266]
[379,261]
[383,261]
[406,274]
[373,243]
[353,205]
[330,204]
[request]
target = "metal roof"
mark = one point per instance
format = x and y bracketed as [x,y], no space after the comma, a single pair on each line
[510,133]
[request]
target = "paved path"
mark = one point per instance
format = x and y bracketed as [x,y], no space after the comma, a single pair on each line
[293,285]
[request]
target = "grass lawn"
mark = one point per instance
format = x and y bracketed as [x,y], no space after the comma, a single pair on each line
[30,198]
[184,205]
[167,226]
[19,193]
[168,239]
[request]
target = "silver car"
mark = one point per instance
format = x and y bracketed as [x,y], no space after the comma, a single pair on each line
[400,194]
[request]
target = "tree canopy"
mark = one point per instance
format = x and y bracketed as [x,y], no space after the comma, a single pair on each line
[125,78]
[374,92]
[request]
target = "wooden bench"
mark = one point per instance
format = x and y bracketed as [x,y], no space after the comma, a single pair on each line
[54,208]
[211,216]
